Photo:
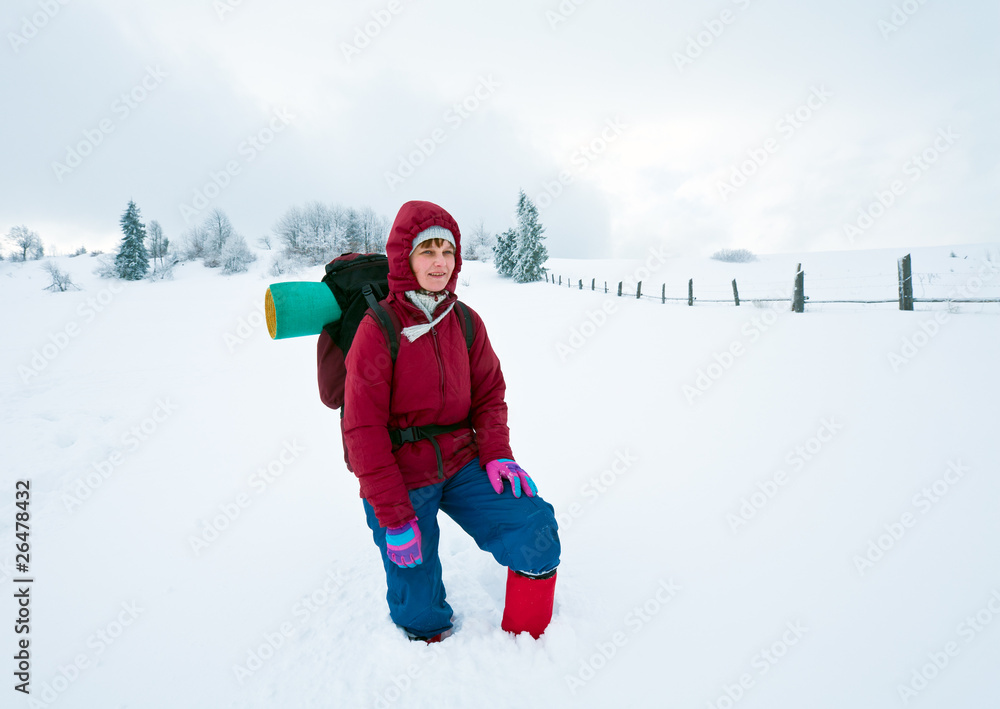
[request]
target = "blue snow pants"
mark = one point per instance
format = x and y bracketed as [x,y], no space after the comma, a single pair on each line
[521,533]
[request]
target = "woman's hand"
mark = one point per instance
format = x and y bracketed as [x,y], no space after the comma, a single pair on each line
[403,544]
[505,469]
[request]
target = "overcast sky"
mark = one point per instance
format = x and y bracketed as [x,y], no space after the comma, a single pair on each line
[764,124]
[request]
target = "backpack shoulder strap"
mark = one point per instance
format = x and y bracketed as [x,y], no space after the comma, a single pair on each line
[388,323]
[467,325]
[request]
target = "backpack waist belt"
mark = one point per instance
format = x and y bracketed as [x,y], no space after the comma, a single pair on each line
[399,436]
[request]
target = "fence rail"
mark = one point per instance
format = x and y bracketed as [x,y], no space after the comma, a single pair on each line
[798,299]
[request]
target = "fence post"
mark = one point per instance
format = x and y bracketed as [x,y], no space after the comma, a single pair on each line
[605,287]
[638,291]
[581,284]
[663,294]
[690,291]
[799,298]
[619,289]
[546,277]
[736,294]
[560,280]
[905,283]
[592,282]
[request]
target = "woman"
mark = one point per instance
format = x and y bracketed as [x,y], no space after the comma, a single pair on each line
[430,433]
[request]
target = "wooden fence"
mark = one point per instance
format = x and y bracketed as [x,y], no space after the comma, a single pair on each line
[798,299]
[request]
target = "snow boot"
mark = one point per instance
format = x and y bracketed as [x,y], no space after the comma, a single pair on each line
[528,606]
[433,639]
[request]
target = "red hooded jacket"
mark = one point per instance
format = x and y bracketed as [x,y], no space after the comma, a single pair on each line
[436,380]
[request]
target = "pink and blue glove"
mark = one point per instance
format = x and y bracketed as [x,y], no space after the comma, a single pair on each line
[506,469]
[403,544]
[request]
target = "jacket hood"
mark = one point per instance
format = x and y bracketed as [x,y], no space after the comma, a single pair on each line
[413,218]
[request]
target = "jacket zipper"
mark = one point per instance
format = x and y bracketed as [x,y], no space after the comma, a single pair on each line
[437,354]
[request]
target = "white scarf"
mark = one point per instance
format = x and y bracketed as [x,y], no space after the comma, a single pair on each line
[427,302]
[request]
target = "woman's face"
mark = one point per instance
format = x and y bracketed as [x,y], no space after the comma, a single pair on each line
[433,265]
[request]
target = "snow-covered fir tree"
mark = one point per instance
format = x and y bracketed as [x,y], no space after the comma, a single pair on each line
[132,261]
[531,253]
[504,256]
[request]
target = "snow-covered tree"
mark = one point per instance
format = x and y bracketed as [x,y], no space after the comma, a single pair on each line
[324,232]
[61,281]
[236,255]
[504,256]
[291,230]
[478,245]
[374,231]
[158,244]
[352,231]
[531,253]
[193,245]
[311,233]
[218,230]
[132,261]
[27,244]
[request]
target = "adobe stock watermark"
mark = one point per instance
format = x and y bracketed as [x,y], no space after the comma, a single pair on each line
[698,43]
[724,360]
[60,340]
[915,343]
[457,114]
[914,168]
[581,334]
[900,15]
[302,610]
[581,159]
[595,320]
[85,486]
[97,643]
[930,327]
[786,126]
[971,627]
[562,13]
[634,621]
[245,328]
[924,501]
[32,24]
[366,34]
[121,108]
[247,151]
[403,681]
[763,662]
[595,487]
[229,512]
[225,7]
[796,460]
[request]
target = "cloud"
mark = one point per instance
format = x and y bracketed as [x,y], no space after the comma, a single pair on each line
[368,85]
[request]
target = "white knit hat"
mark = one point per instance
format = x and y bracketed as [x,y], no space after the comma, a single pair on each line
[433,232]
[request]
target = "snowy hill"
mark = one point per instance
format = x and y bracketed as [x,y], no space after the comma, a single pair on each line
[757,508]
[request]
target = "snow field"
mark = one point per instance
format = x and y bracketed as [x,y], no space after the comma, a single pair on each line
[807,522]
